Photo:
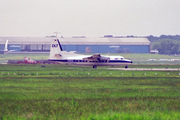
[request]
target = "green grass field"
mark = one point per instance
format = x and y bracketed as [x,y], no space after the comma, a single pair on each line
[69,92]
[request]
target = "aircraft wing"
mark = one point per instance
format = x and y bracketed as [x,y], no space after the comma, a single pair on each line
[96,56]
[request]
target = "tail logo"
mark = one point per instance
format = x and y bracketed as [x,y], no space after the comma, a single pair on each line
[54,45]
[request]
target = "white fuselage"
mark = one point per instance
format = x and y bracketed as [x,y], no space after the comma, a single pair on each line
[76,59]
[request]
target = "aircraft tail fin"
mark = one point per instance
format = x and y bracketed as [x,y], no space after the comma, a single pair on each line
[6,46]
[56,49]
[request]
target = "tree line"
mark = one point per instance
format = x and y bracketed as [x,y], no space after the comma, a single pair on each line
[165,44]
[152,38]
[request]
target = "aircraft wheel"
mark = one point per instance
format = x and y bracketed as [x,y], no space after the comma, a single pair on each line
[126,67]
[94,66]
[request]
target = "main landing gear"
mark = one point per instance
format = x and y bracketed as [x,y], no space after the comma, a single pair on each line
[126,67]
[94,66]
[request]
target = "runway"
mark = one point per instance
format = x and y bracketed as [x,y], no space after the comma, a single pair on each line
[147,69]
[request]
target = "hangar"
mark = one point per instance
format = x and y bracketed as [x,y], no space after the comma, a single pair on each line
[79,44]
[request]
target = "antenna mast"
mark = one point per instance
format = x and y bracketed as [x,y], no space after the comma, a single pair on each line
[57,34]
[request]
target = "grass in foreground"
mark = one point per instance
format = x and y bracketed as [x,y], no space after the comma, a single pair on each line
[61,93]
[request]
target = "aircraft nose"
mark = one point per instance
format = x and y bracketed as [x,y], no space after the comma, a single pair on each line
[131,62]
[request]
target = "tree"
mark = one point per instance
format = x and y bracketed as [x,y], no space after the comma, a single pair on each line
[167,46]
[152,38]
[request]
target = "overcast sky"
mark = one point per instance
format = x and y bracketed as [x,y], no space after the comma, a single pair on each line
[91,18]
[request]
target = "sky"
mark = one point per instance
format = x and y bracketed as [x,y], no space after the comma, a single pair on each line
[90,18]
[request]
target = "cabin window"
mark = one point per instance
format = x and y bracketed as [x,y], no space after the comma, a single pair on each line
[70,60]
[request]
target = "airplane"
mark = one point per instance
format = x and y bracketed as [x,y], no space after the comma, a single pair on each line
[57,54]
[5,47]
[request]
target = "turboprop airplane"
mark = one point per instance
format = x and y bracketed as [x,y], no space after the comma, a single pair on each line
[57,54]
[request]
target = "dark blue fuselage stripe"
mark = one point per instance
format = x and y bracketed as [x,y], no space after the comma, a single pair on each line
[60,60]
[114,61]
[110,61]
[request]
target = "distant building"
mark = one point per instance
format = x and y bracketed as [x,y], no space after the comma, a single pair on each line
[79,44]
